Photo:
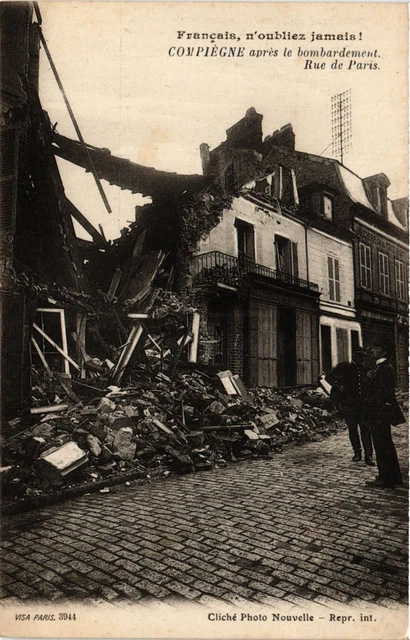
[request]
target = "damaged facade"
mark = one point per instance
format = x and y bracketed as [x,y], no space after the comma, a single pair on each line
[130,353]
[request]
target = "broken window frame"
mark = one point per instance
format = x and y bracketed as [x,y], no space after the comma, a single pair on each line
[62,350]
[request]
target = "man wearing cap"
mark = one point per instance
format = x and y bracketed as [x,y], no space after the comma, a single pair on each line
[382,410]
[348,380]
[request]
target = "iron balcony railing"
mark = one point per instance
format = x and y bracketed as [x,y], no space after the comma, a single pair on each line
[213,267]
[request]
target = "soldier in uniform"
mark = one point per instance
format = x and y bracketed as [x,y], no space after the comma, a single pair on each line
[382,411]
[348,380]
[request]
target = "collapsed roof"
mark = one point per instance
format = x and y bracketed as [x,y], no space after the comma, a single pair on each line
[126,174]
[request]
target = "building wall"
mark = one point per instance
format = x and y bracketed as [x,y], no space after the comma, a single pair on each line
[394,249]
[384,317]
[340,316]
[266,223]
[320,246]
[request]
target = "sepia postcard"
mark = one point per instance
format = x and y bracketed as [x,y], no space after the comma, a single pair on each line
[204,320]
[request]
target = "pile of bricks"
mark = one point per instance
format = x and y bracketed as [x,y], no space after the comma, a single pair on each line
[159,426]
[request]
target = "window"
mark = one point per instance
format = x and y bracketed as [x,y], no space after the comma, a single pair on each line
[384,280]
[381,200]
[246,240]
[334,278]
[327,207]
[365,266]
[286,256]
[342,345]
[400,282]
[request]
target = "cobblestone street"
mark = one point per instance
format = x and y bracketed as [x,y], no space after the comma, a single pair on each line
[296,529]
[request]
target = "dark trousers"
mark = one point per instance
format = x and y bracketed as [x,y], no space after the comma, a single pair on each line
[386,456]
[353,425]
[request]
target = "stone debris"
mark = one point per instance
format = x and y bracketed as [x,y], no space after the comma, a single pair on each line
[155,426]
[61,462]
[158,415]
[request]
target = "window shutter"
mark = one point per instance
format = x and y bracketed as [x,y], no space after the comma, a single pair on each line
[8,179]
[331,276]
[337,280]
[342,345]
[295,265]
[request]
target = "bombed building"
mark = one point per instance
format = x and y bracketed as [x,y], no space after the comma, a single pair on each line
[138,354]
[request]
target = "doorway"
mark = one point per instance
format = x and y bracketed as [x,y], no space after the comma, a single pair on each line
[286,348]
[326,344]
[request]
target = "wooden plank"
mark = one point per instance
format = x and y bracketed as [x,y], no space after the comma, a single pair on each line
[64,340]
[226,379]
[114,284]
[55,408]
[237,381]
[55,345]
[82,357]
[65,381]
[82,220]
[41,356]
[182,343]
[134,337]
[193,350]
[139,245]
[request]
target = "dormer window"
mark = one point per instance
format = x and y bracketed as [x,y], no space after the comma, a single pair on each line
[318,198]
[376,191]
[271,185]
[327,206]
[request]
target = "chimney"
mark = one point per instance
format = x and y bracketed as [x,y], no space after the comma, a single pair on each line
[283,137]
[247,133]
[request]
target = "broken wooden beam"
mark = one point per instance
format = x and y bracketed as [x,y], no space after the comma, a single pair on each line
[55,345]
[193,350]
[99,240]
[65,381]
[54,408]
[42,357]
[114,284]
[133,339]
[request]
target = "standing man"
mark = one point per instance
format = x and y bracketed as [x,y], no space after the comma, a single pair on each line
[348,380]
[382,411]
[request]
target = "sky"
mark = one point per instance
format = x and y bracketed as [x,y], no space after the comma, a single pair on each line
[130,96]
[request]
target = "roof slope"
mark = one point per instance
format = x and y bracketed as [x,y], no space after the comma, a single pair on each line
[126,174]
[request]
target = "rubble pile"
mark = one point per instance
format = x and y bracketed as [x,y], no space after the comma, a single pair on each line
[156,426]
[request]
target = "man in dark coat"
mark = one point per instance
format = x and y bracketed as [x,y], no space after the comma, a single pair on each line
[382,411]
[348,380]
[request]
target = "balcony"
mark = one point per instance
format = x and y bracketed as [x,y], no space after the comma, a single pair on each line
[216,267]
